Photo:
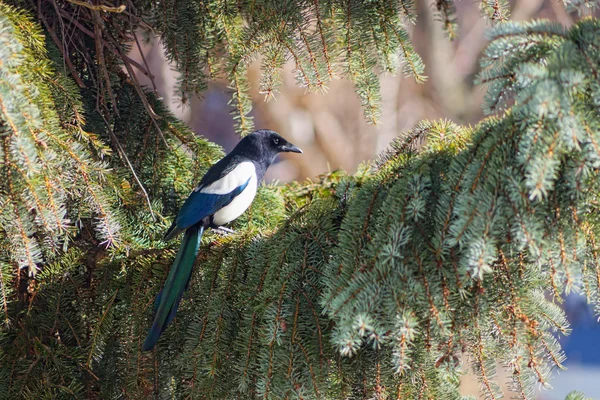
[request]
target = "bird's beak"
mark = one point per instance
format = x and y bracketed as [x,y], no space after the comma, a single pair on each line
[291,148]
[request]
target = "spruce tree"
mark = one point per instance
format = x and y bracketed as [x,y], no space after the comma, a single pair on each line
[451,251]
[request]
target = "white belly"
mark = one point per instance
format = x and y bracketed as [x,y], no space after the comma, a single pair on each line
[238,205]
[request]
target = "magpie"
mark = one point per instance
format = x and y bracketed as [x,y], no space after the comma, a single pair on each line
[223,194]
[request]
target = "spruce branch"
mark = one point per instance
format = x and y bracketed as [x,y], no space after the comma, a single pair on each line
[437,257]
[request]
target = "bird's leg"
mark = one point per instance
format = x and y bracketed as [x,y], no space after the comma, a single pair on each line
[223,231]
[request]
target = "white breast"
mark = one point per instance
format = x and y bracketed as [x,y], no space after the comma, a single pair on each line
[238,205]
[235,178]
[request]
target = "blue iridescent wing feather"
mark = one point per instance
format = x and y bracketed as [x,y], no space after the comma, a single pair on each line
[200,205]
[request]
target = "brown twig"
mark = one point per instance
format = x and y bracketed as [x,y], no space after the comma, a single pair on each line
[127,61]
[63,51]
[137,43]
[138,19]
[99,7]
[108,45]
[101,62]
[121,151]
[140,92]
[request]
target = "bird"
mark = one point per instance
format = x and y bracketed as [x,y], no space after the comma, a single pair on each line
[223,194]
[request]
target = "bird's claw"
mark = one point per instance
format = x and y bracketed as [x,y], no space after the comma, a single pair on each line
[221,230]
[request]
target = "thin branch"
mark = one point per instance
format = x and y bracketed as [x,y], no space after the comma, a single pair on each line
[101,62]
[137,43]
[141,93]
[99,7]
[63,51]
[124,155]
[91,34]
[128,62]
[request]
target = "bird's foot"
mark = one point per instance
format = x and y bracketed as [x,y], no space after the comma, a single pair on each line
[223,231]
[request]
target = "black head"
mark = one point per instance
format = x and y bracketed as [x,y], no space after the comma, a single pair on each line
[263,145]
[274,143]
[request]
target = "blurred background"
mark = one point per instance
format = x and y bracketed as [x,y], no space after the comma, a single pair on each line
[333,133]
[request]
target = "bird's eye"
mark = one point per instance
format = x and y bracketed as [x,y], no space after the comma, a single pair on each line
[275,141]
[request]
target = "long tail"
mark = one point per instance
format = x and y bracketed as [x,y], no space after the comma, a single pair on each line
[167,301]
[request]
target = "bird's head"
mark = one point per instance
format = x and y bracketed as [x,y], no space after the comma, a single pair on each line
[270,143]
